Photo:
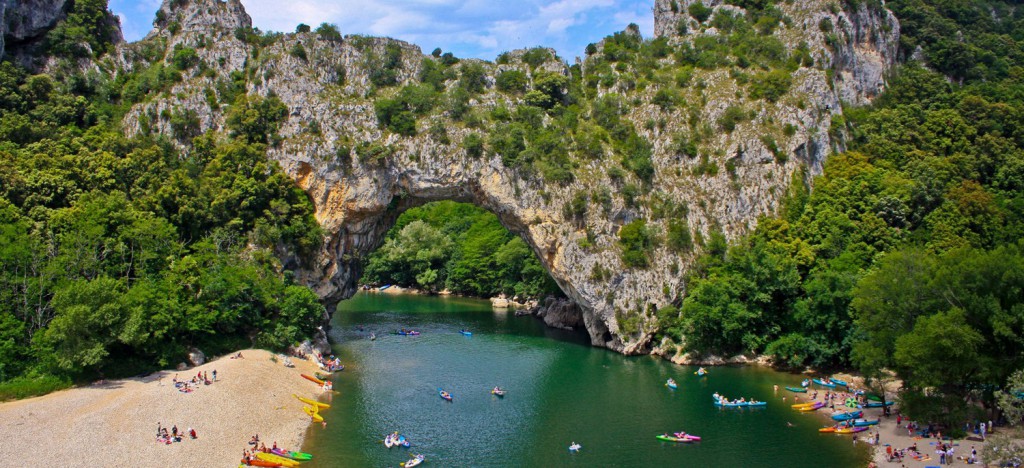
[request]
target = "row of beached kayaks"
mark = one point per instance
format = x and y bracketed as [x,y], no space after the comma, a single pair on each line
[279,458]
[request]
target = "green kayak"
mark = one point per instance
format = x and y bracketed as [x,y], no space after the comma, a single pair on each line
[668,438]
[797,389]
[873,397]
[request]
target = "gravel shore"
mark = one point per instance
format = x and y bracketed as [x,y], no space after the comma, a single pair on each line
[889,433]
[114,423]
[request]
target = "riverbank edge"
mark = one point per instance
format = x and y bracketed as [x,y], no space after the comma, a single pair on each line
[252,395]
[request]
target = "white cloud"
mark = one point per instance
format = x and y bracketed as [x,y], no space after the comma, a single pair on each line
[470,28]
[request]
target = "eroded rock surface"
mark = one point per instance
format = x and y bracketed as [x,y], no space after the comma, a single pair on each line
[360,176]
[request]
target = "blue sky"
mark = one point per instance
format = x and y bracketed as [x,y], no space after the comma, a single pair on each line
[467,28]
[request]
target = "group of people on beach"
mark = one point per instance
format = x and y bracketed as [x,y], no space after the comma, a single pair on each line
[163,436]
[249,454]
[188,386]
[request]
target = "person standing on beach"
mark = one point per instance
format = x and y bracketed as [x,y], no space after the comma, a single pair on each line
[215,375]
[982,431]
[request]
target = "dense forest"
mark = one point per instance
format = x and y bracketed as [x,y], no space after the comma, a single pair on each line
[461,248]
[119,254]
[907,254]
[904,258]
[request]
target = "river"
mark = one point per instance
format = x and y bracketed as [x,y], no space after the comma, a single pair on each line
[560,390]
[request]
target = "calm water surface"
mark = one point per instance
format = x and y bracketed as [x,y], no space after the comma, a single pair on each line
[560,390]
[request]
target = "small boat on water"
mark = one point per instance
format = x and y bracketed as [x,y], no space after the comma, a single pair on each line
[497,391]
[701,372]
[671,383]
[574,447]
[373,337]
[404,332]
[797,389]
[668,438]
[466,333]
[414,461]
[445,395]
[687,436]
[848,415]
[721,401]
[392,440]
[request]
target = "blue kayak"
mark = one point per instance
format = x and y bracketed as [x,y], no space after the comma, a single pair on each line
[840,382]
[848,415]
[738,405]
[823,384]
[464,332]
[864,422]
[878,404]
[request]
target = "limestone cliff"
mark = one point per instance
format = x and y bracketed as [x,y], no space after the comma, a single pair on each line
[361,176]
[24,21]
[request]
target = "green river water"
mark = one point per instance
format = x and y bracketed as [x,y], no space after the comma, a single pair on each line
[560,390]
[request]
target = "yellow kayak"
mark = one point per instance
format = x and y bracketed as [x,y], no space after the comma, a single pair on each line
[311,402]
[802,405]
[277,459]
[313,413]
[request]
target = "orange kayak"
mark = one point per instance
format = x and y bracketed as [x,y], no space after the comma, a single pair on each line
[312,379]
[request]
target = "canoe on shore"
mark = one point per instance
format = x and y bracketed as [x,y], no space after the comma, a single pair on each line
[878,405]
[851,430]
[865,422]
[797,389]
[817,406]
[311,402]
[312,379]
[847,415]
[823,383]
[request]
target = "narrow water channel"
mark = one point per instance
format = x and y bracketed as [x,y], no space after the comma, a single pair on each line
[560,390]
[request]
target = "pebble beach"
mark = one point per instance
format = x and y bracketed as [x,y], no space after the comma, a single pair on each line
[114,423]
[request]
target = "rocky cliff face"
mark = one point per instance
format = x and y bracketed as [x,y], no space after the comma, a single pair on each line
[24,21]
[361,176]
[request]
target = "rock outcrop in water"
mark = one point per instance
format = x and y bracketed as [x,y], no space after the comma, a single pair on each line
[361,176]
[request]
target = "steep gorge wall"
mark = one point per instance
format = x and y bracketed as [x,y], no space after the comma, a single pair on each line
[358,198]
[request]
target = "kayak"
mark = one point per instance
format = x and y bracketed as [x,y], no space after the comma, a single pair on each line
[817,406]
[311,402]
[312,379]
[276,459]
[389,440]
[873,397]
[671,384]
[261,463]
[840,382]
[864,422]
[797,389]
[444,394]
[827,429]
[313,413]
[851,430]
[464,332]
[407,333]
[745,403]
[687,436]
[402,442]
[300,456]
[823,384]
[668,438]
[415,461]
[801,405]
[575,447]
[847,415]
[878,404]
[498,392]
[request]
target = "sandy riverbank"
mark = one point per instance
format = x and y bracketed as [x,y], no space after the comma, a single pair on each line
[889,433]
[114,423]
